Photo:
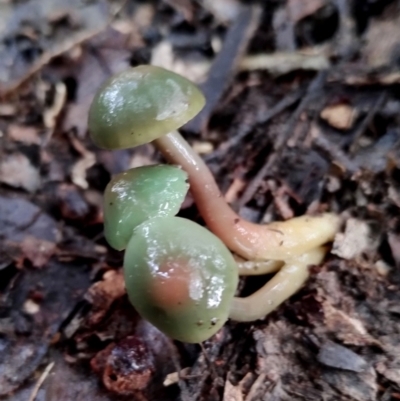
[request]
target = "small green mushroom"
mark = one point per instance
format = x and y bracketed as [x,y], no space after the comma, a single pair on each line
[138,194]
[180,277]
[141,104]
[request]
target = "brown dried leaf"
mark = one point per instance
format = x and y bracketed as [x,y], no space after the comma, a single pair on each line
[17,171]
[349,329]
[339,116]
[382,39]
[25,134]
[37,251]
[103,293]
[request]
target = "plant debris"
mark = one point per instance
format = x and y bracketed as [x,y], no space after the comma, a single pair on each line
[303,116]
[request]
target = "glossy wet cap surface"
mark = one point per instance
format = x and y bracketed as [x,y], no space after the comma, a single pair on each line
[138,194]
[180,277]
[141,104]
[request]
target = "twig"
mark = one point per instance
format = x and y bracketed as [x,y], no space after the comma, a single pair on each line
[335,153]
[40,381]
[65,47]
[366,122]
[182,385]
[312,91]
[279,63]
[223,67]
[346,40]
[46,59]
[246,129]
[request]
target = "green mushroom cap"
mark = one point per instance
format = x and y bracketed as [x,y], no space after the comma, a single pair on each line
[180,277]
[138,194]
[141,104]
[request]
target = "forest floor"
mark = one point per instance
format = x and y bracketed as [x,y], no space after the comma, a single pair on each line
[302,116]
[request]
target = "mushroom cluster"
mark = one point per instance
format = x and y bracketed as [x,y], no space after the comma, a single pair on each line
[179,275]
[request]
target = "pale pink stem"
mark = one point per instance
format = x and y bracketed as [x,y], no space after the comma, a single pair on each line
[279,240]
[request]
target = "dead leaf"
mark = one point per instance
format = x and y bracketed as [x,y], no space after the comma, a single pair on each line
[25,134]
[38,20]
[339,116]
[354,241]
[103,293]
[232,393]
[340,357]
[17,171]
[19,218]
[382,40]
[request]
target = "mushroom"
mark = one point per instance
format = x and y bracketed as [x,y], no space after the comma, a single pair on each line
[149,103]
[138,194]
[180,277]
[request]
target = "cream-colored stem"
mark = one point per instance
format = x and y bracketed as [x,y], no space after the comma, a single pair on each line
[278,241]
[257,267]
[283,285]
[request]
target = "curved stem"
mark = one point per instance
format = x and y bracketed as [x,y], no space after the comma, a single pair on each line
[278,240]
[258,267]
[283,285]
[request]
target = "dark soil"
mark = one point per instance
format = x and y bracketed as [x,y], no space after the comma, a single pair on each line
[315,126]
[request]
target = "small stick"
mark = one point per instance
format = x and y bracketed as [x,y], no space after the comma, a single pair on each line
[246,129]
[225,62]
[40,381]
[314,87]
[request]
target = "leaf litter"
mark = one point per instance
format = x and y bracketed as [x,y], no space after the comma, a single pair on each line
[305,116]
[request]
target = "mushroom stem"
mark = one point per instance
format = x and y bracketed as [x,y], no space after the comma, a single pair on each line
[258,267]
[278,240]
[283,285]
